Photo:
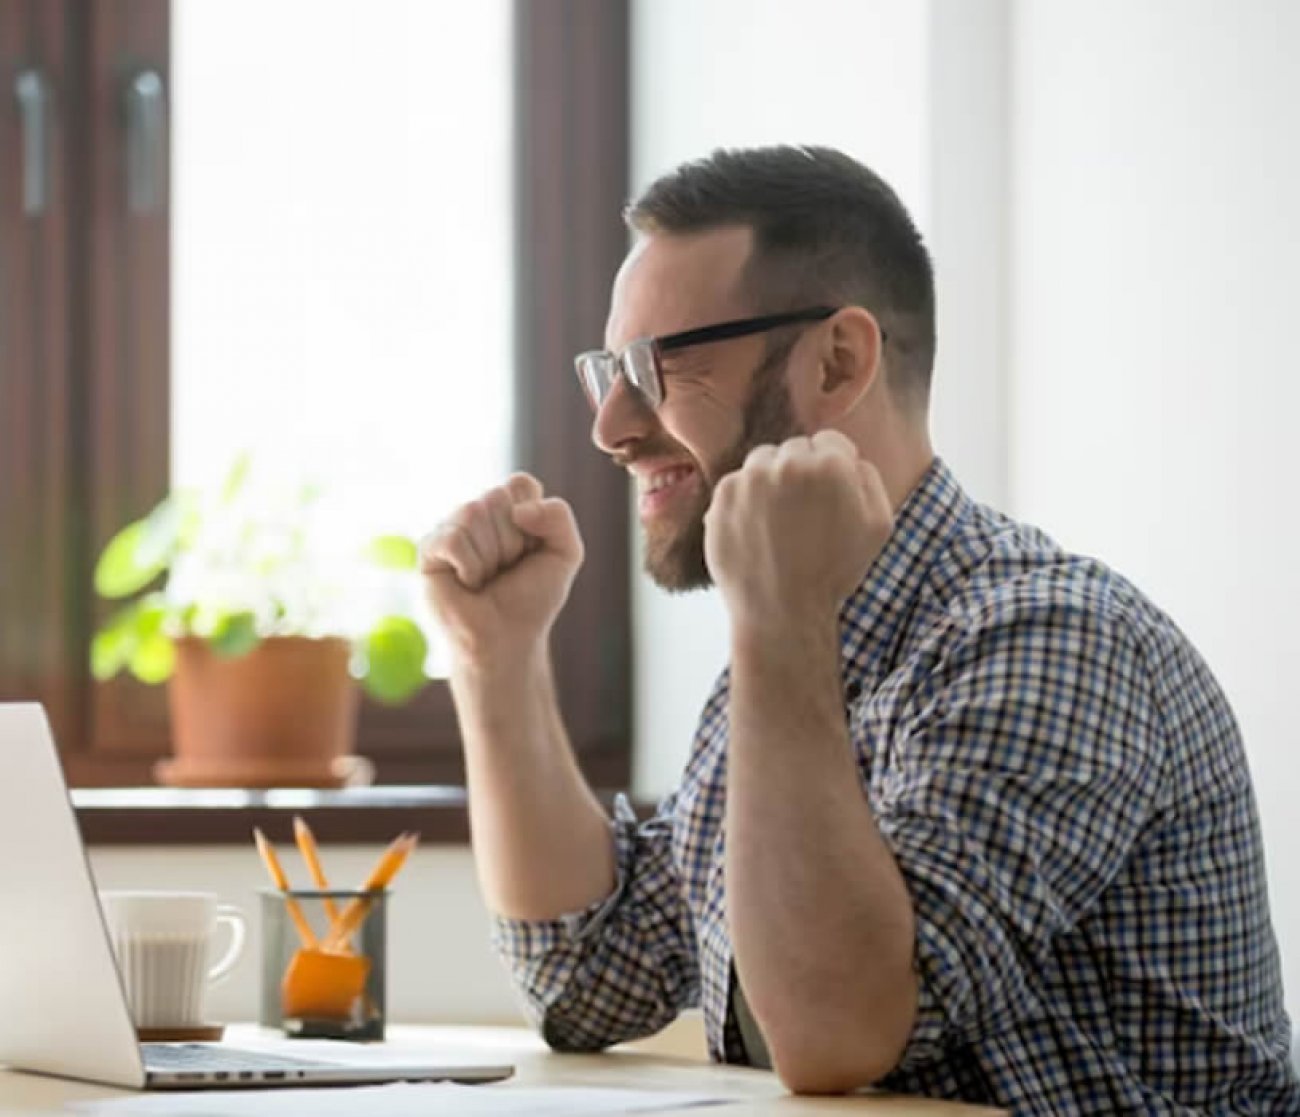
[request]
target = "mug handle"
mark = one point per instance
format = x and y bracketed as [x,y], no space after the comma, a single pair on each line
[234,919]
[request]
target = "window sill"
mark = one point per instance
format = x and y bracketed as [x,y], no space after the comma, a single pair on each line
[183,816]
[153,816]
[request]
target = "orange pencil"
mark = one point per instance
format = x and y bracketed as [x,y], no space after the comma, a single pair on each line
[272,864]
[307,847]
[380,877]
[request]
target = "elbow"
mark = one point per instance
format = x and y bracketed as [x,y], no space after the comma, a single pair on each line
[571,1044]
[810,1071]
[820,1054]
[566,1037]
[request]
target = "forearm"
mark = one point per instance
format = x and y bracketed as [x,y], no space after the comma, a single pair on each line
[541,840]
[820,917]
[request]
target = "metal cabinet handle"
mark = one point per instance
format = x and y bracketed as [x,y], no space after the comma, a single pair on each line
[146,132]
[32,89]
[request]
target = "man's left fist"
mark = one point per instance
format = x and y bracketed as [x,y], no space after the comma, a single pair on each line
[790,534]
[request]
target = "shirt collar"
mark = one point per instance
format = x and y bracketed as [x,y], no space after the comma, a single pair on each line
[874,618]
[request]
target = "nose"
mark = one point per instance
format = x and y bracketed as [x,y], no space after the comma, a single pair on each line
[624,416]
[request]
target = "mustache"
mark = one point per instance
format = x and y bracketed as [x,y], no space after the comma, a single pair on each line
[659,448]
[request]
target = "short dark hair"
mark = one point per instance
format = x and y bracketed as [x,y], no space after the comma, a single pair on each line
[826,230]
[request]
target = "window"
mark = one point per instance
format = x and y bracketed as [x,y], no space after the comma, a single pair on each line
[341,243]
[101,284]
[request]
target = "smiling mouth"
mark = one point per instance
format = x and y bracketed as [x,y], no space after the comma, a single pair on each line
[663,487]
[666,478]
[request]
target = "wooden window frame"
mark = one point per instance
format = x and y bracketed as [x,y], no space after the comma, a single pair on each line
[93,368]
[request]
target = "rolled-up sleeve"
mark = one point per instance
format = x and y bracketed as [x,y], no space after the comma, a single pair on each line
[1012,801]
[624,967]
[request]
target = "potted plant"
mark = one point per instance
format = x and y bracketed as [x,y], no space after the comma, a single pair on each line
[263,625]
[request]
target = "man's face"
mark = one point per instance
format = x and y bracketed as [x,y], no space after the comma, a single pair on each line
[720,399]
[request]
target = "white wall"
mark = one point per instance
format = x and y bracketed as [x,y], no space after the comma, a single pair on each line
[968,135]
[1156,387]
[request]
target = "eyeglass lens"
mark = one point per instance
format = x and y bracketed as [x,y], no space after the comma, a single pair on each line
[599,371]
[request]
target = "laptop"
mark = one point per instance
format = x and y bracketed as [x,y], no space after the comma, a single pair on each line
[65,1007]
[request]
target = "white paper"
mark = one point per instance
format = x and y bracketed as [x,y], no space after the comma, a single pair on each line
[403,1099]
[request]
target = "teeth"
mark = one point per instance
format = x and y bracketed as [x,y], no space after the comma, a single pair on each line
[666,478]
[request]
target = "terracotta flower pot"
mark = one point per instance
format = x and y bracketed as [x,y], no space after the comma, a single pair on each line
[283,715]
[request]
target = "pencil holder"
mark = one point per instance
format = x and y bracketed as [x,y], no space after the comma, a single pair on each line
[331,986]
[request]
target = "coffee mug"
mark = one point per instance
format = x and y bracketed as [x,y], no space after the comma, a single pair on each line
[162,941]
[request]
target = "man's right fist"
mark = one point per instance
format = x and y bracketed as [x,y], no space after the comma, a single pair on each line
[498,570]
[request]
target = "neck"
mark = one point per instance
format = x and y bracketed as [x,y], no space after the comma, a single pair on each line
[899,447]
[907,474]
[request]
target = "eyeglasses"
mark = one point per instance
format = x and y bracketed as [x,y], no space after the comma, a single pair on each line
[599,369]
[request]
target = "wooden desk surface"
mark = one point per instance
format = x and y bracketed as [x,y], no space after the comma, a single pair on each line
[749,1091]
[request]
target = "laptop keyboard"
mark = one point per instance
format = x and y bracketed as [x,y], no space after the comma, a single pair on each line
[210,1057]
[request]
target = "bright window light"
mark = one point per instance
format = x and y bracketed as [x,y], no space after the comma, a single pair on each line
[342,260]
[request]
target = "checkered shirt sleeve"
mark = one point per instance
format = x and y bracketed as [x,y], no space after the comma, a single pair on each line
[1032,762]
[1069,807]
[624,967]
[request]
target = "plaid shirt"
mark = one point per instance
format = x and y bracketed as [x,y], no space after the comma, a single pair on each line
[1063,787]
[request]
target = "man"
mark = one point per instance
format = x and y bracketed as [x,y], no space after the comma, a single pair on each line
[966,815]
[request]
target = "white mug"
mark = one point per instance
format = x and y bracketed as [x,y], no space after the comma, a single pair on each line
[162,941]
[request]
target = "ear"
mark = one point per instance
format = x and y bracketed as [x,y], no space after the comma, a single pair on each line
[849,363]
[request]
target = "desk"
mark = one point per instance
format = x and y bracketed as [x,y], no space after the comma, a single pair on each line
[751,1091]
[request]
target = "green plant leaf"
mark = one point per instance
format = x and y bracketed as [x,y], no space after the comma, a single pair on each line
[309,493]
[111,648]
[234,635]
[394,651]
[161,536]
[392,552]
[154,658]
[119,640]
[189,514]
[121,570]
[236,478]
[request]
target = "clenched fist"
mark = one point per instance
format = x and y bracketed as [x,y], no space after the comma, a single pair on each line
[498,570]
[790,534]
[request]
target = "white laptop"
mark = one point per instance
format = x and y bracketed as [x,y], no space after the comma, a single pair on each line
[65,1010]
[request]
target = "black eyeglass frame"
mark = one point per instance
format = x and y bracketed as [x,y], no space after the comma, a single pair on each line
[652,390]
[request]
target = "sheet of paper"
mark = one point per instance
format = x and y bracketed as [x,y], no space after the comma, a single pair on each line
[403,1099]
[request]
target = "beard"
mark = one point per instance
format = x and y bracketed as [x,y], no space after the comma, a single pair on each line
[674,556]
